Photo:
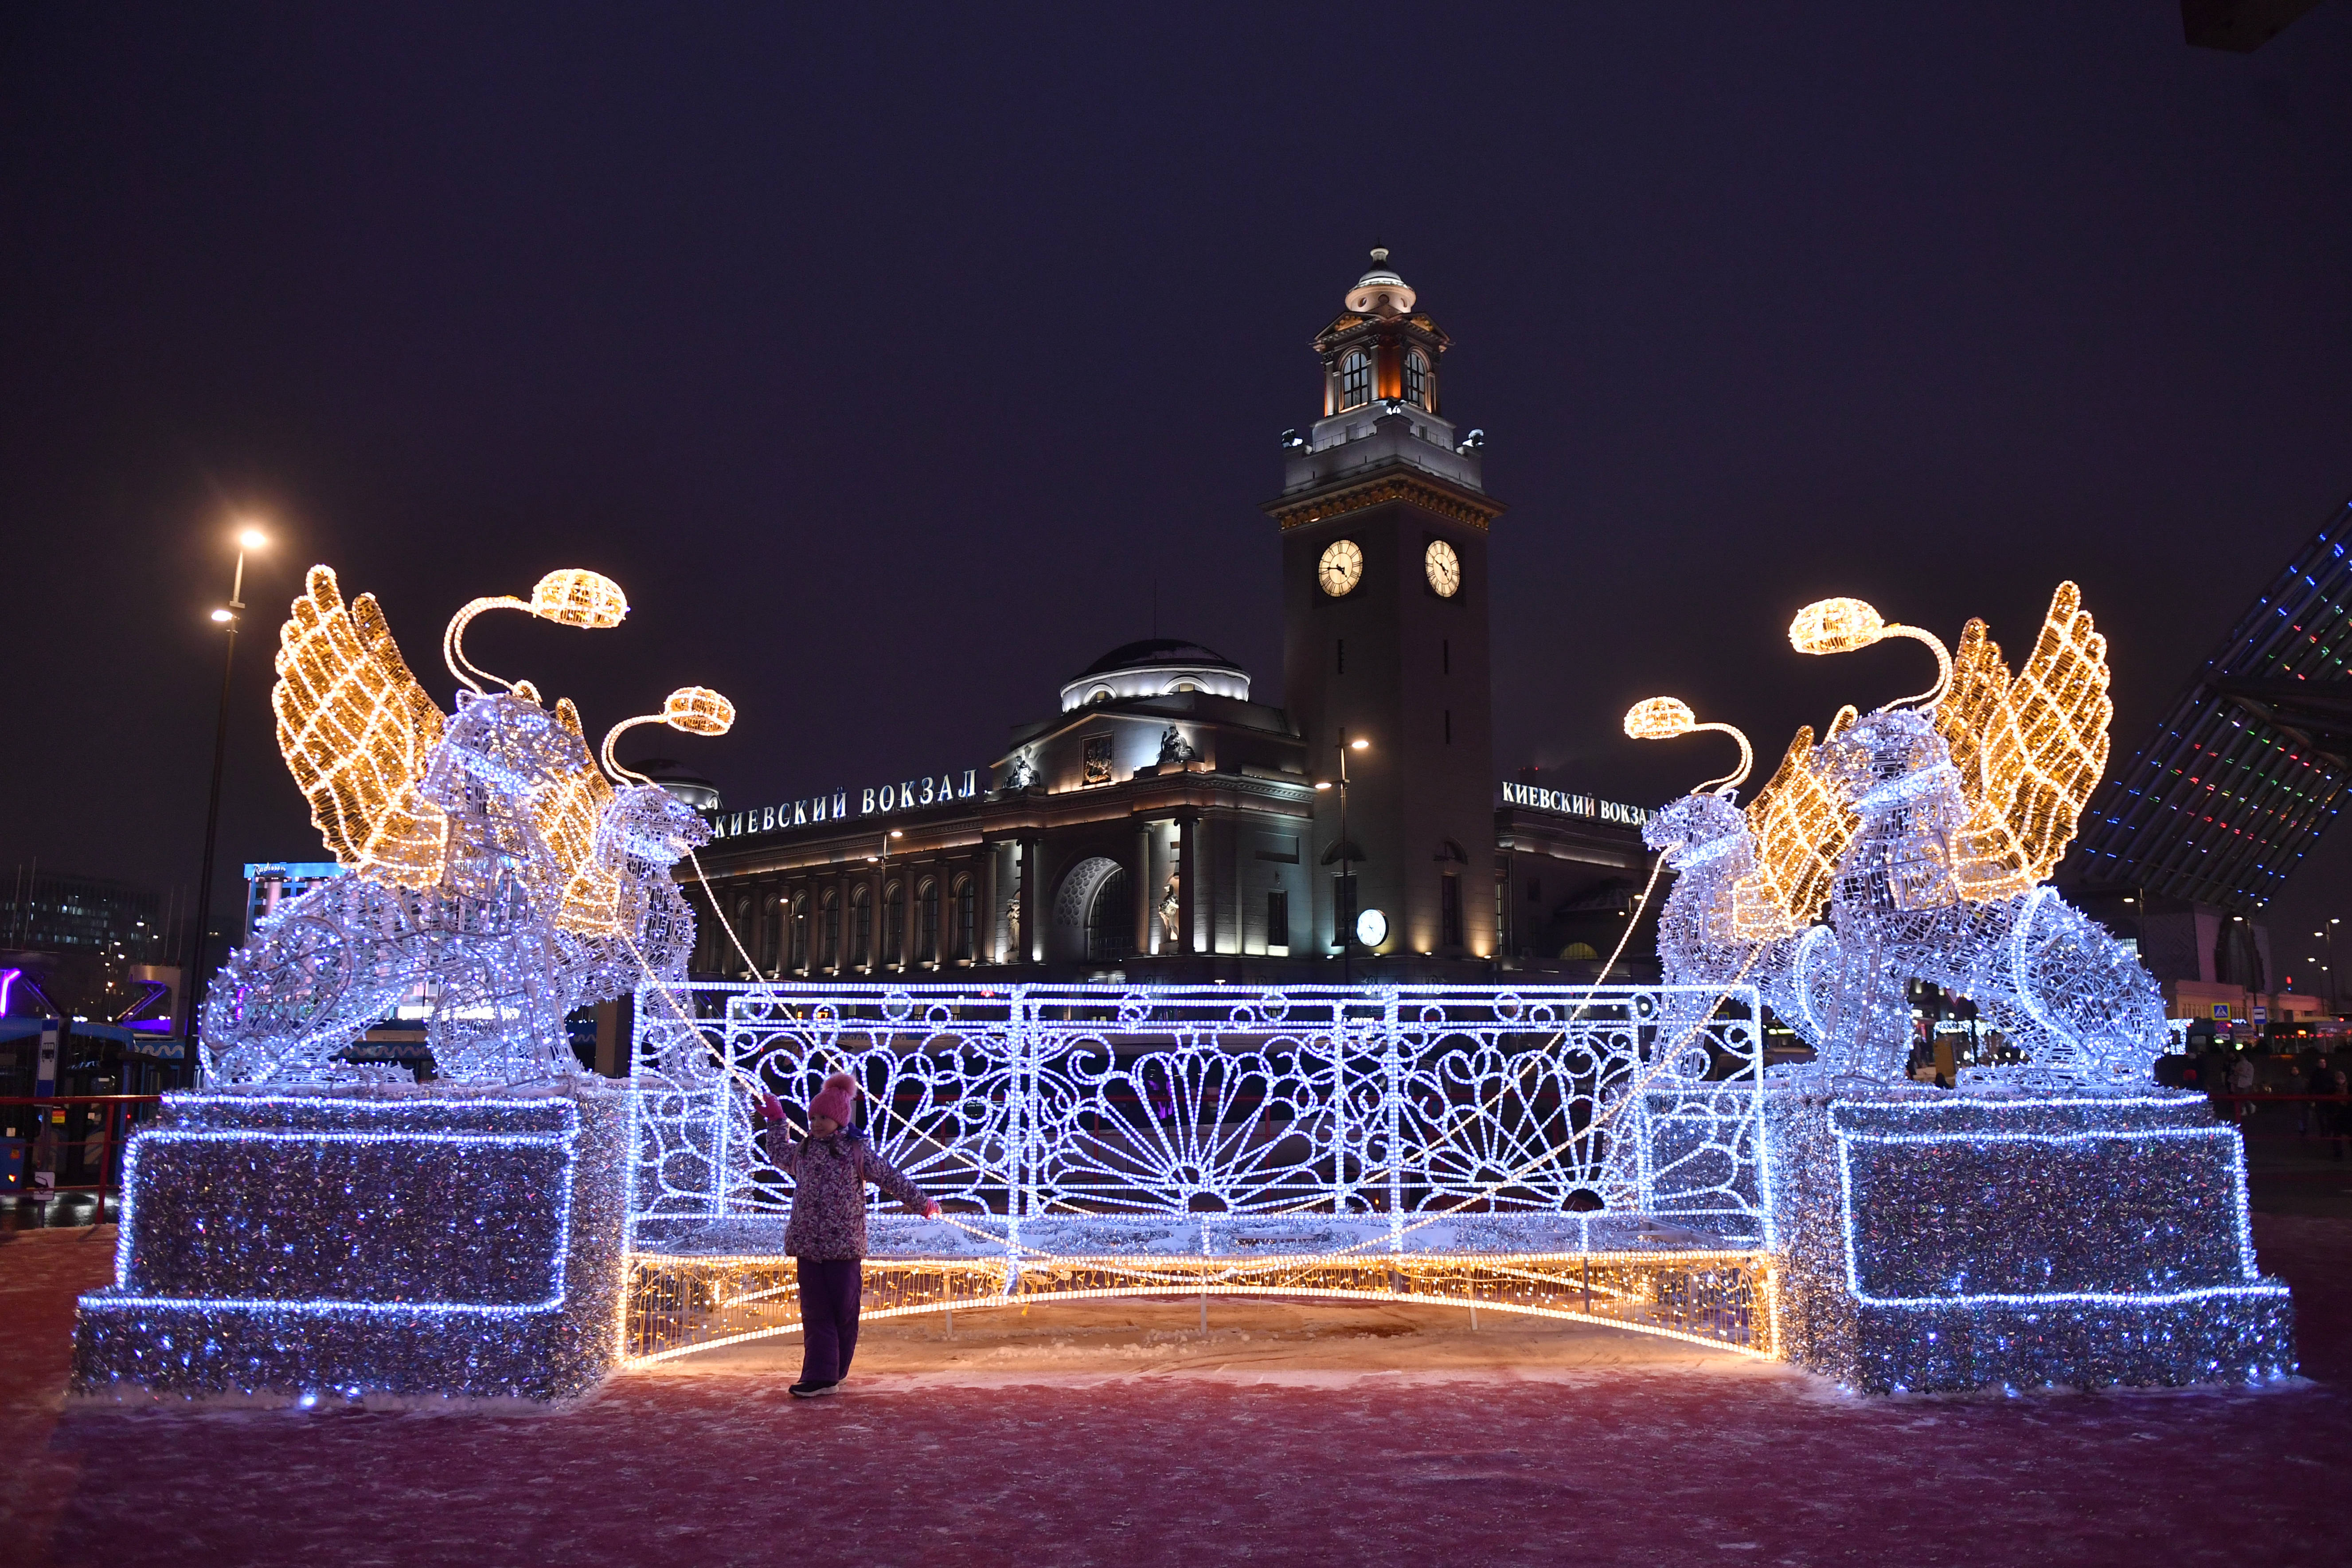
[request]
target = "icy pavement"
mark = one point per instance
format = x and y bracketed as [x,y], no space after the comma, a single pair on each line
[1223,1449]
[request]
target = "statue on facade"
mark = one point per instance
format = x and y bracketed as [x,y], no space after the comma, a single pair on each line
[1175,751]
[1170,902]
[1023,773]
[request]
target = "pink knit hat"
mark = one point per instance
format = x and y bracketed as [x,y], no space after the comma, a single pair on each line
[834,1100]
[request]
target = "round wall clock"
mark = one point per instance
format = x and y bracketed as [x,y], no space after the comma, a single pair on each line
[1445,568]
[1341,569]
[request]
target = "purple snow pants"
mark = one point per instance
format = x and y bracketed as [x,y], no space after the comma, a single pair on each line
[829,1293]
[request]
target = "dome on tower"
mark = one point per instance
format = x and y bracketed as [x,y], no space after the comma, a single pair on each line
[1381,291]
[1157,666]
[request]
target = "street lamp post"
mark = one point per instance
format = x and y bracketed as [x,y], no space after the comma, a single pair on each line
[1347,847]
[246,539]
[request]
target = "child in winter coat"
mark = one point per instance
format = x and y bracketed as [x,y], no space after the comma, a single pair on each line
[826,1235]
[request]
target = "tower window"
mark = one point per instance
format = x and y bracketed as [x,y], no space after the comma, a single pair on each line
[1277,917]
[1449,909]
[1356,380]
[1341,645]
[1416,379]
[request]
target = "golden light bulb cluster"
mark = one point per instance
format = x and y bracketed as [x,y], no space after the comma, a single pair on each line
[2029,750]
[575,597]
[1801,823]
[356,730]
[1659,719]
[1836,625]
[697,711]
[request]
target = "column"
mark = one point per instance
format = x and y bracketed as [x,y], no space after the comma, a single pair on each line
[985,905]
[1188,879]
[1033,857]
[1145,894]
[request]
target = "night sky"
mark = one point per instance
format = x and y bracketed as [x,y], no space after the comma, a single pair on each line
[892,361]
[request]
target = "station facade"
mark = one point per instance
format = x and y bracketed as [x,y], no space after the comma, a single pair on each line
[1163,823]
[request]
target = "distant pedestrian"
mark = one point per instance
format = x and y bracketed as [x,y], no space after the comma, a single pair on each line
[2241,1083]
[826,1235]
[2339,1119]
[2316,1121]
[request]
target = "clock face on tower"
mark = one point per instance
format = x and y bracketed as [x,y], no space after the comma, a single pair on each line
[1445,568]
[1341,568]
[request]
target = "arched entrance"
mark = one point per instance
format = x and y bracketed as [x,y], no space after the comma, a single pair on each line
[1093,914]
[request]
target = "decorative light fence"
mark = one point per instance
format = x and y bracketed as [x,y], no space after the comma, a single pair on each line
[1294,1140]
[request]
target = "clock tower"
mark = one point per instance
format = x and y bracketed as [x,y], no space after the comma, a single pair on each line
[1384,515]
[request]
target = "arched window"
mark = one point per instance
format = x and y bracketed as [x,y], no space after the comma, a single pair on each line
[894,925]
[1110,920]
[927,924]
[796,956]
[829,932]
[967,911]
[861,926]
[1356,380]
[775,945]
[1416,379]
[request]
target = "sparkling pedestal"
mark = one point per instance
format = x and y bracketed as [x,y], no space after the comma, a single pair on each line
[366,1243]
[1932,1241]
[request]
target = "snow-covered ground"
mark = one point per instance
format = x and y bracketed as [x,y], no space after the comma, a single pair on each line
[1113,1433]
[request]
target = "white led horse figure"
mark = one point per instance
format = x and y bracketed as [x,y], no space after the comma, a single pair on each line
[1966,795]
[1741,908]
[498,872]
[628,922]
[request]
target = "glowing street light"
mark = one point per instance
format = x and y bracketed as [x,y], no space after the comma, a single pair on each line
[248,538]
[1346,850]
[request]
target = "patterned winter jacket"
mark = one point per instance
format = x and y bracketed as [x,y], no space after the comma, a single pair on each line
[829,1177]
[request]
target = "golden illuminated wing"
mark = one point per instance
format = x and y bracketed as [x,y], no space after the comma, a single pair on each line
[566,813]
[357,732]
[2030,758]
[1802,824]
[2059,711]
[1976,722]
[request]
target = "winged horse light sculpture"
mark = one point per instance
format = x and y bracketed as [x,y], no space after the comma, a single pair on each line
[496,869]
[1926,831]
